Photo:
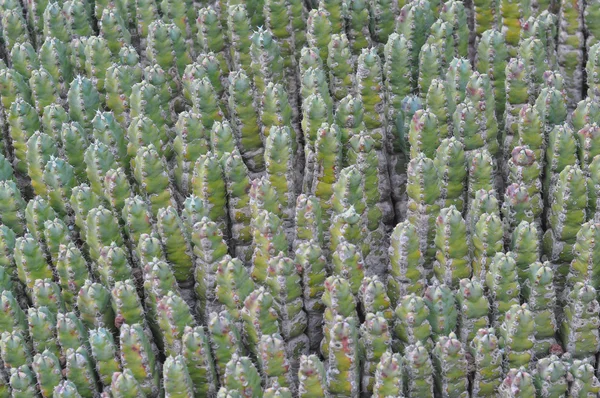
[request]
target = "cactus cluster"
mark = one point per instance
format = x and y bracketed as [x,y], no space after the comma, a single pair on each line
[299,198]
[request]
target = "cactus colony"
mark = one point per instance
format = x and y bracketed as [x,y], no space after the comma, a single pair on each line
[299,198]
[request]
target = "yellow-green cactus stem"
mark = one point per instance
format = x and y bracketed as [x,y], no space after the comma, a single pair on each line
[389,376]
[12,207]
[13,86]
[47,371]
[66,389]
[71,332]
[488,363]
[541,298]
[374,298]
[398,84]
[284,282]
[407,269]
[42,330]
[259,317]
[309,58]
[273,362]
[24,59]
[119,81]
[137,355]
[74,142]
[125,385]
[166,47]
[503,283]
[177,248]
[94,305]
[104,353]
[239,32]
[72,271]
[458,75]
[22,382]
[430,67]
[570,47]
[55,22]
[181,14]
[30,261]
[525,168]
[177,380]
[589,138]
[580,339]
[487,240]
[358,19]
[343,376]
[473,310]
[78,14]
[245,119]
[137,217]
[53,119]
[518,207]
[412,321]
[267,62]
[339,301]
[533,53]
[23,121]
[425,134]
[451,367]
[113,29]
[209,38]
[102,228]
[382,22]
[209,248]
[225,341]
[550,377]
[418,371]
[14,28]
[566,215]
[7,247]
[309,257]
[15,349]
[319,29]
[452,256]
[126,303]
[516,336]
[414,21]
[46,293]
[375,341]
[40,149]
[83,100]
[158,282]
[12,317]
[423,197]
[525,246]
[443,316]
[233,285]
[583,267]
[38,211]
[208,184]
[191,140]
[238,186]
[369,85]
[196,351]
[241,375]
[518,383]
[592,69]
[341,68]
[529,133]
[584,383]
[149,247]
[117,188]
[174,316]
[150,171]
[436,102]
[312,378]
[563,137]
